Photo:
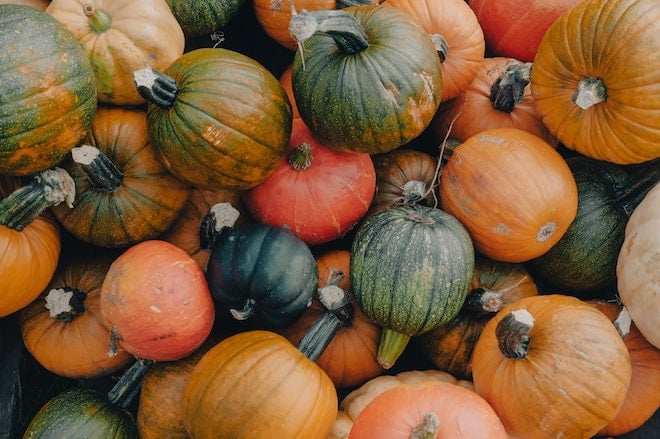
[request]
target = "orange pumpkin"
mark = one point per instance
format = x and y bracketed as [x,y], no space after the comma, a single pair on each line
[350,358]
[552,366]
[512,191]
[594,96]
[499,96]
[456,31]
[31,242]
[63,329]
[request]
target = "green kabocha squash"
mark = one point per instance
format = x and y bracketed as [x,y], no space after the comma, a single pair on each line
[368,79]
[47,91]
[262,273]
[217,118]
[583,261]
[82,412]
[411,267]
[203,17]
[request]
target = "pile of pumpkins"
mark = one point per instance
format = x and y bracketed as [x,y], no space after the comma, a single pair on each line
[405,218]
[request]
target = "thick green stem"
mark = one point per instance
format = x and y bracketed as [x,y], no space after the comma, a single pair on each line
[66,303]
[391,346]
[156,87]
[301,157]
[99,169]
[99,21]
[589,92]
[512,333]
[509,88]
[48,188]
[128,386]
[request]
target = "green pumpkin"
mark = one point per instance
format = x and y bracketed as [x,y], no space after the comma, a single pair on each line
[368,80]
[81,412]
[262,272]
[217,118]
[47,91]
[583,261]
[410,270]
[203,17]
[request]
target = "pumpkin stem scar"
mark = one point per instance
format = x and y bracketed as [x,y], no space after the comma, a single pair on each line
[219,217]
[427,428]
[589,92]
[546,231]
[512,333]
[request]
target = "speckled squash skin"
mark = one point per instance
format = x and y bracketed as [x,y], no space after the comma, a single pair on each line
[204,17]
[48,96]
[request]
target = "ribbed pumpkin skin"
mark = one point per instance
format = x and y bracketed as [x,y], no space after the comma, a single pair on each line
[378,99]
[230,123]
[267,265]
[204,17]
[147,201]
[81,412]
[625,54]
[48,91]
[256,385]
[411,267]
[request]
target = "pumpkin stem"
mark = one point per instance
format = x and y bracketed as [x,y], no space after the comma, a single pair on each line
[128,386]
[338,314]
[99,169]
[589,92]
[301,157]
[391,346]
[99,21]
[483,300]
[156,87]
[512,333]
[509,88]
[48,188]
[342,27]
[428,428]
[66,303]
[441,46]
[219,217]
[413,191]
[622,322]
[249,307]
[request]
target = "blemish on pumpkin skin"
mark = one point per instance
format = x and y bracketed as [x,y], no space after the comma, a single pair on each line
[276,5]
[491,139]
[502,229]
[155,308]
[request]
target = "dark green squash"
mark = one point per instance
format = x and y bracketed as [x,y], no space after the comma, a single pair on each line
[263,273]
[410,270]
[203,17]
[368,80]
[47,91]
[82,412]
[217,118]
[583,261]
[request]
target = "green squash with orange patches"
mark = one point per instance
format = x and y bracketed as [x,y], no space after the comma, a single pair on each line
[47,91]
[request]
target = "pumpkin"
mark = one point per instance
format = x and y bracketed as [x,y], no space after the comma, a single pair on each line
[262,273]
[222,120]
[187,230]
[642,399]
[349,358]
[515,28]
[596,99]
[512,191]
[428,409]
[319,193]
[494,285]
[29,235]
[256,384]
[274,17]
[354,402]
[499,96]
[404,177]
[286,80]
[368,80]
[48,99]
[120,37]
[538,364]
[204,17]
[156,302]
[63,328]
[406,261]
[457,34]
[124,194]
[37,4]
[583,261]
[637,266]
[81,412]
